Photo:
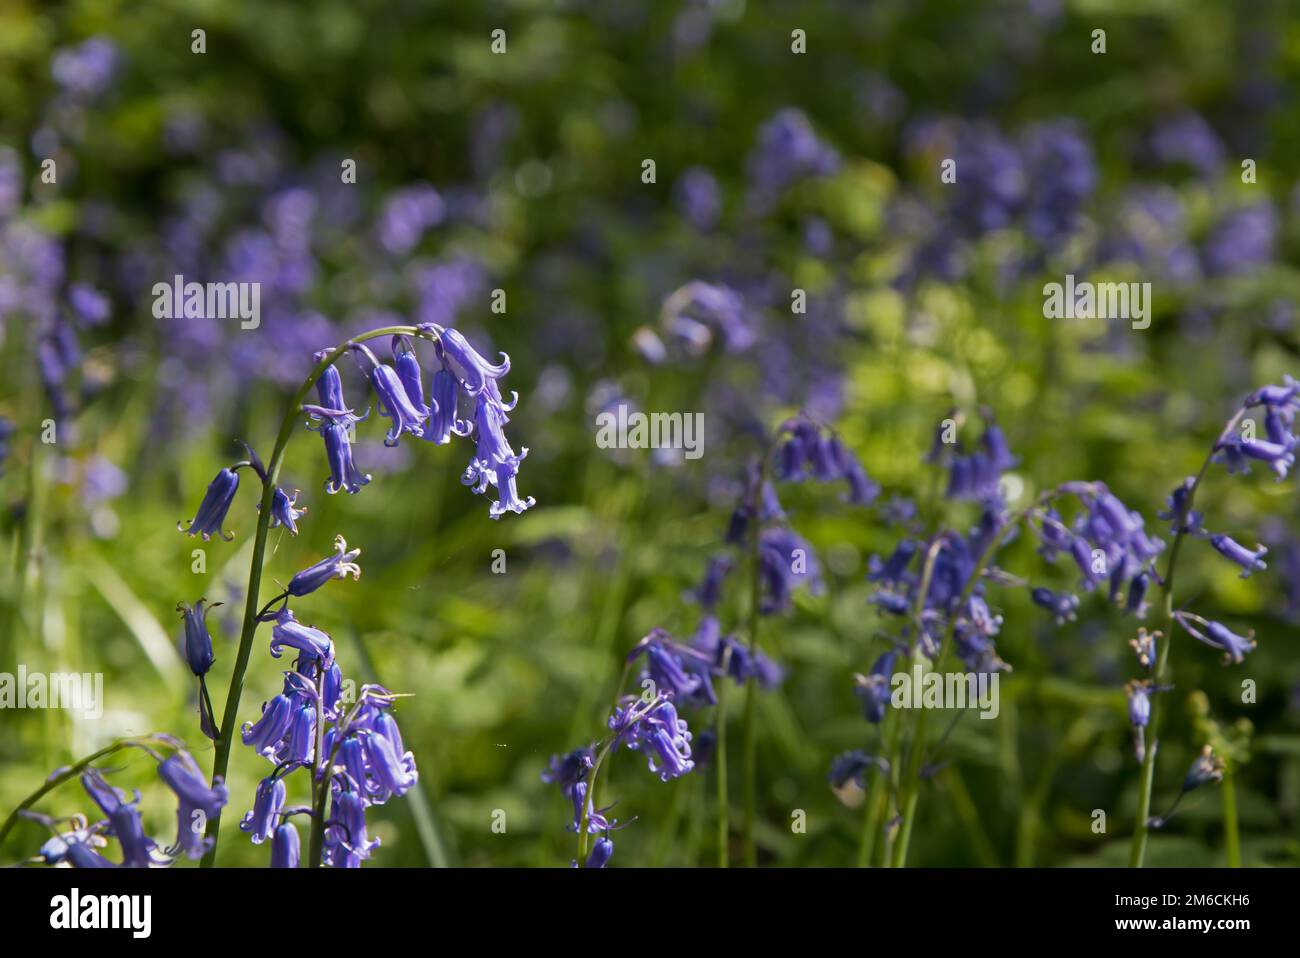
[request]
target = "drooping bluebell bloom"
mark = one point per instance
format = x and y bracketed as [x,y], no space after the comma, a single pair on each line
[262,821]
[346,843]
[81,855]
[197,801]
[1144,646]
[128,828]
[709,591]
[265,734]
[674,668]
[600,853]
[394,402]
[663,738]
[1217,636]
[1062,605]
[892,602]
[1206,768]
[331,405]
[495,463]
[848,775]
[786,562]
[695,314]
[893,569]
[331,689]
[301,743]
[55,849]
[1139,713]
[445,397]
[216,503]
[1137,590]
[1249,560]
[391,767]
[285,847]
[337,566]
[734,658]
[469,365]
[284,511]
[106,796]
[568,770]
[1177,508]
[289,631]
[407,365]
[344,473]
[198,641]
[873,689]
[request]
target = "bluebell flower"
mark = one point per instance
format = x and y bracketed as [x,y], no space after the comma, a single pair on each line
[894,569]
[1139,713]
[698,197]
[1249,560]
[289,631]
[284,512]
[848,775]
[81,855]
[346,843]
[344,473]
[445,397]
[709,591]
[198,802]
[285,847]
[600,853]
[128,828]
[106,796]
[786,562]
[329,392]
[892,602]
[569,769]
[216,503]
[1206,768]
[471,368]
[394,402]
[300,745]
[735,659]
[340,565]
[392,768]
[1280,456]
[407,365]
[873,689]
[664,739]
[198,641]
[1177,511]
[674,668]
[265,734]
[1144,646]
[1217,636]
[261,821]
[495,463]
[1062,605]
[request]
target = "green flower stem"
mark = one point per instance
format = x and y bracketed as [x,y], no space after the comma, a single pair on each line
[592,783]
[720,762]
[230,718]
[876,796]
[1231,832]
[749,743]
[72,771]
[1137,851]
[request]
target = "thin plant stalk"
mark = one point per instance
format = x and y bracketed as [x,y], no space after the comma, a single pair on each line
[1231,831]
